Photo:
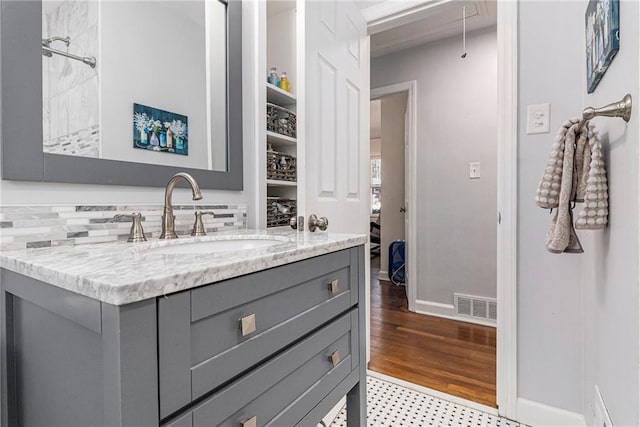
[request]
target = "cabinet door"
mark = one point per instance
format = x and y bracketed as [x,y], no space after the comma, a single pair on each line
[336,115]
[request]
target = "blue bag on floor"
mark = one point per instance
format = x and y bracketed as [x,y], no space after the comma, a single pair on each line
[396,262]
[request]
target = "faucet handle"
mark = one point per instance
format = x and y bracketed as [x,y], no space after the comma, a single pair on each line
[136,234]
[198,225]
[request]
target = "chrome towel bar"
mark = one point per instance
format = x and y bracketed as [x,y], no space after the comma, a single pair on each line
[48,51]
[620,109]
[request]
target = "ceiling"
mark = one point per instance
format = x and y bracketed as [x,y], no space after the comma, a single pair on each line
[431,23]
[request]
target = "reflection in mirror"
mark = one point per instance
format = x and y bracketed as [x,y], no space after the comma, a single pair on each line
[157,92]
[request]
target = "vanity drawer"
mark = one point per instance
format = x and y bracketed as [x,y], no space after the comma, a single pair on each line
[268,392]
[212,334]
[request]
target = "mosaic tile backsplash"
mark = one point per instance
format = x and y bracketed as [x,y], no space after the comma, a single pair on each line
[44,226]
[85,143]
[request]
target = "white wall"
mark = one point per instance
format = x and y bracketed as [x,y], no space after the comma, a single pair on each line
[456,216]
[578,314]
[155,54]
[392,173]
[29,193]
[281,40]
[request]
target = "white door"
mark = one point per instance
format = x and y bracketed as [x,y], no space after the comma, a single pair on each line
[336,183]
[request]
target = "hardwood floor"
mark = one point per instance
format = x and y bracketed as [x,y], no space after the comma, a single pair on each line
[450,356]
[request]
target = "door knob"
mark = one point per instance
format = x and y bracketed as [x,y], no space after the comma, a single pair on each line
[297,223]
[317,223]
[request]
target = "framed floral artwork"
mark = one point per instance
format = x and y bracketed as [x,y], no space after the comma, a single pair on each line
[602,27]
[160,130]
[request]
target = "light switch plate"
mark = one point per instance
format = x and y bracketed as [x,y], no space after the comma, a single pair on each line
[538,118]
[474,170]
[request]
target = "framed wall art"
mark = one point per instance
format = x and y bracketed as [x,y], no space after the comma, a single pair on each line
[602,26]
[160,130]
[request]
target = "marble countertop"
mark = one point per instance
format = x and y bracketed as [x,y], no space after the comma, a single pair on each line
[121,273]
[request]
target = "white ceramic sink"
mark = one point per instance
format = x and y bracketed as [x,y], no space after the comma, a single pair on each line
[213,246]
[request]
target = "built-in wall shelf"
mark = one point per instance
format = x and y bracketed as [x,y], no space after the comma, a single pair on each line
[278,139]
[276,183]
[277,96]
[282,44]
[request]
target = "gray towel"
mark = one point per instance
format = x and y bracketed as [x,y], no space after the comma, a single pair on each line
[574,173]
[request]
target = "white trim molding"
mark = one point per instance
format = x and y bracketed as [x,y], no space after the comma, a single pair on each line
[638,118]
[539,414]
[507,373]
[392,13]
[447,311]
[383,275]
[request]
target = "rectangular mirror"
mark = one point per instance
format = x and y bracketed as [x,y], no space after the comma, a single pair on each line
[129,92]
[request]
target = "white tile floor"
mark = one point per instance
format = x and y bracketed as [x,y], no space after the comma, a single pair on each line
[394,406]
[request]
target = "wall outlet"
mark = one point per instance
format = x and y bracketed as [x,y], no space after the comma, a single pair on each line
[474,170]
[538,118]
[601,416]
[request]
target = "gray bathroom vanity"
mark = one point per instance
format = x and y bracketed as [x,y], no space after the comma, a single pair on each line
[119,334]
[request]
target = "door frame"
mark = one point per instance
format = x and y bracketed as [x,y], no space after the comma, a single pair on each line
[507,332]
[393,14]
[410,162]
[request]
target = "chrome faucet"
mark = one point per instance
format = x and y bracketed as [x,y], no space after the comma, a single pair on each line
[168,223]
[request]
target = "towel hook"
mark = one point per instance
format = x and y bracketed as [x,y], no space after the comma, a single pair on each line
[621,109]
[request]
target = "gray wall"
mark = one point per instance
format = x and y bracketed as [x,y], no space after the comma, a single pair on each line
[456,216]
[392,149]
[578,314]
[551,69]
[610,269]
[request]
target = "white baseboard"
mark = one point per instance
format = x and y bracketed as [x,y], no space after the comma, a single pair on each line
[539,414]
[447,311]
[435,308]
[383,275]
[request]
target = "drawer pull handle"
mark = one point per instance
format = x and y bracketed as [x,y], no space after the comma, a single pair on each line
[334,286]
[335,358]
[248,325]
[251,422]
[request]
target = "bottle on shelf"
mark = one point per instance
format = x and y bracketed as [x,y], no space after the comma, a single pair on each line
[284,82]
[273,77]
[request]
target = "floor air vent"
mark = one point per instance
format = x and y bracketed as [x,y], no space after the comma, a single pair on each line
[476,307]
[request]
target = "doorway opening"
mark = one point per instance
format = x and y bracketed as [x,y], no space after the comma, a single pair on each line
[387,147]
[440,330]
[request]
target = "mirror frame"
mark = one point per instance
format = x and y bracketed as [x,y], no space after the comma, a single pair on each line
[21,103]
